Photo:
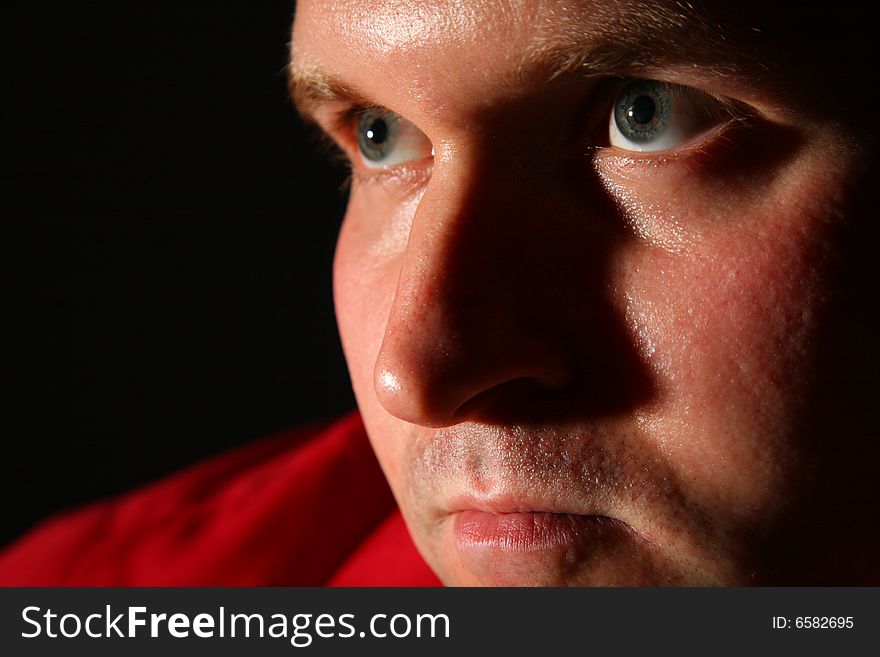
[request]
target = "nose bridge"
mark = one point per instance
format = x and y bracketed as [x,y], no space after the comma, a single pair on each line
[460,321]
[473,238]
[444,263]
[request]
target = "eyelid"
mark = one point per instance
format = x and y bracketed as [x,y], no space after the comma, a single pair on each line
[720,107]
[706,112]
[409,176]
[680,82]
[340,124]
[342,120]
[333,122]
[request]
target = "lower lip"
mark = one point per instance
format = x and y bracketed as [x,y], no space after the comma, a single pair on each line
[524,532]
[533,549]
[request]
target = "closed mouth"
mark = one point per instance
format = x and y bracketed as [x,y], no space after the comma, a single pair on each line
[525,531]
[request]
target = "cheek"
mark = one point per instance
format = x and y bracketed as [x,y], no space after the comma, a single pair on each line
[725,304]
[365,272]
[362,302]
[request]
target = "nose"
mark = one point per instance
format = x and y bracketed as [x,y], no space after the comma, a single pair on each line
[489,295]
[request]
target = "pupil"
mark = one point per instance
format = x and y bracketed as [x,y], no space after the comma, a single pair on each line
[378,131]
[642,110]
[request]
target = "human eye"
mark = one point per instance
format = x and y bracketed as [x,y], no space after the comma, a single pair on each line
[385,139]
[651,116]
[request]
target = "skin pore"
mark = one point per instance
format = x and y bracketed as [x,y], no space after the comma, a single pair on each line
[587,359]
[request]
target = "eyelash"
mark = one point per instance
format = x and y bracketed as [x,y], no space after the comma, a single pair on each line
[339,140]
[595,135]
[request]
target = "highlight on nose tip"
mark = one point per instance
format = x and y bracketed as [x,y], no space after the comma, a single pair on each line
[411,398]
[387,381]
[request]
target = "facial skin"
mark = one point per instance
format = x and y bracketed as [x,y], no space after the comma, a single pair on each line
[583,365]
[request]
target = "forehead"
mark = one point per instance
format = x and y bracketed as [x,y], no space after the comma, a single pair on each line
[417,43]
[437,55]
[392,26]
[421,47]
[395,28]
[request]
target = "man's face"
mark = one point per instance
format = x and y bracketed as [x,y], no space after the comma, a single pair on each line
[600,286]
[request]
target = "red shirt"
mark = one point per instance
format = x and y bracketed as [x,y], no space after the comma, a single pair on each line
[305,508]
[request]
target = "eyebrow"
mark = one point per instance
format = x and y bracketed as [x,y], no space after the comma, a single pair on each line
[311,87]
[619,41]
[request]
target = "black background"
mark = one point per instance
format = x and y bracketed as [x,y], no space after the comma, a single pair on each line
[168,230]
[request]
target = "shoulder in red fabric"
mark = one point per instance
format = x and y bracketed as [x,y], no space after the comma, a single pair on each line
[304,508]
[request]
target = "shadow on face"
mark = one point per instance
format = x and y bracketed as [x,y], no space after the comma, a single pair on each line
[655,351]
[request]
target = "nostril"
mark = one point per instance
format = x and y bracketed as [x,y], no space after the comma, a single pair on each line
[420,383]
[506,400]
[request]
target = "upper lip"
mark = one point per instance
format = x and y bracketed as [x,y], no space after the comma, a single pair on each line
[514,504]
[578,471]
